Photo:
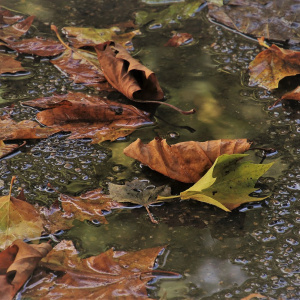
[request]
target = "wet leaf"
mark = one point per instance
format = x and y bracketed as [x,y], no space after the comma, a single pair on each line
[273,64]
[11,130]
[19,220]
[109,275]
[274,20]
[179,39]
[186,161]
[293,95]
[37,46]
[8,64]
[6,149]
[8,18]
[138,192]
[17,263]
[92,205]
[228,182]
[88,116]
[81,37]
[254,296]
[126,74]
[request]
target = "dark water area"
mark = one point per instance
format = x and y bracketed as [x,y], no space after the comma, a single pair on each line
[220,255]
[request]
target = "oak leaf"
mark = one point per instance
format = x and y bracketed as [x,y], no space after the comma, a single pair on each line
[272,65]
[227,184]
[186,161]
[88,116]
[179,39]
[109,275]
[17,263]
[8,64]
[6,149]
[126,74]
[18,220]
[138,192]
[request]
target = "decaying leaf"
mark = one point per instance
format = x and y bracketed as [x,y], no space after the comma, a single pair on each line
[273,64]
[187,161]
[88,116]
[82,37]
[6,149]
[17,262]
[179,39]
[109,275]
[228,183]
[18,220]
[272,19]
[88,206]
[126,74]
[138,192]
[8,64]
[11,130]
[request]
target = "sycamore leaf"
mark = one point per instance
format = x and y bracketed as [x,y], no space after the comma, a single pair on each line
[82,37]
[137,192]
[17,262]
[8,64]
[88,116]
[228,183]
[18,220]
[6,149]
[109,275]
[187,161]
[272,65]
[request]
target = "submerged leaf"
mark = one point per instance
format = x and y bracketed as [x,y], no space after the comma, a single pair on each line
[9,64]
[179,39]
[6,149]
[17,262]
[228,183]
[187,161]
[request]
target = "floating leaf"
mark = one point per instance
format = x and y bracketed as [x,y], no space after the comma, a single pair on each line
[6,149]
[8,64]
[228,183]
[187,161]
[138,192]
[273,64]
[17,263]
[18,220]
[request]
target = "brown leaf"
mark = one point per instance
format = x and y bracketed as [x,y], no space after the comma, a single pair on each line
[8,64]
[8,18]
[179,39]
[17,263]
[273,64]
[37,46]
[126,74]
[186,161]
[6,149]
[109,275]
[293,95]
[10,130]
[87,206]
[254,296]
[89,116]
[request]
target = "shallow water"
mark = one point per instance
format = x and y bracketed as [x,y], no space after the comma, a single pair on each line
[219,255]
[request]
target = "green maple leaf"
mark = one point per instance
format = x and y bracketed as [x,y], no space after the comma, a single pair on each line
[227,184]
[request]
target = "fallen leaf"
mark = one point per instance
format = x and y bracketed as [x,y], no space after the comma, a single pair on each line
[88,116]
[179,39]
[88,206]
[83,37]
[17,263]
[37,46]
[19,220]
[6,149]
[273,64]
[138,192]
[109,275]
[8,18]
[228,183]
[255,295]
[126,74]
[8,64]
[187,161]
[293,95]
[273,20]
[11,130]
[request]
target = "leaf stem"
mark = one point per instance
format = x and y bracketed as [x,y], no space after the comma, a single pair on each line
[54,28]
[168,197]
[150,215]
[11,184]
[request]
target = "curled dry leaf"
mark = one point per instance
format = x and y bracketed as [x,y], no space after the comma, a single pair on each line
[126,74]
[88,116]
[187,161]
[179,39]
[272,65]
[17,263]
[8,64]
[11,130]
[112,274]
